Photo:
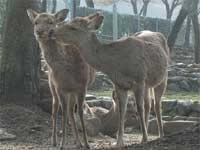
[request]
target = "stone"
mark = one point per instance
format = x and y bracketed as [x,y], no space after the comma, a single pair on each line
[195,106]
[173,87]
[176,126]
[169,106]
[5,136]
[90,97]
[183,107]
[170,126]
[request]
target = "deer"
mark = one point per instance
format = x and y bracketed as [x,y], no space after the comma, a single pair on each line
[69,74]
[131,63]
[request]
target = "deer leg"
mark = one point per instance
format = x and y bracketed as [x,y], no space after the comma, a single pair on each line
[81,99]
[55,107]
[147,106]
[159,91]
[71,107]
[122,97]
[139,96]
[63,104]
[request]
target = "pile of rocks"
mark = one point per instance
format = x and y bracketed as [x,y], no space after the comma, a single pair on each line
[183,77]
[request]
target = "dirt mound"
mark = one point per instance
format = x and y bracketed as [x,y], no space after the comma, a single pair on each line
[189,139]
[32,129]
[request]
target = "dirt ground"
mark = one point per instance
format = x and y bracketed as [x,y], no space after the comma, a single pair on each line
[32,128]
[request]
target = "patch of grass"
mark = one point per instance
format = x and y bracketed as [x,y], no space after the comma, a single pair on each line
[182,95]
[168,95]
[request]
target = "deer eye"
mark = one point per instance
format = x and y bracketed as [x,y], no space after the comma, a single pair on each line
[36,22]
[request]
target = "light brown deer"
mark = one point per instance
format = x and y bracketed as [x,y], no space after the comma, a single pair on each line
[157,92]
[69,74]
[131,63]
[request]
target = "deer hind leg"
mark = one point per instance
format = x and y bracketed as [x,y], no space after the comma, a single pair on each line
[81,99]
[139,96]
[122,98]
[55,107]
[71,106]
[147,106]
[159,91]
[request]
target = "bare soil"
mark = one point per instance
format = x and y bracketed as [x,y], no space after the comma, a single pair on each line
[32,128]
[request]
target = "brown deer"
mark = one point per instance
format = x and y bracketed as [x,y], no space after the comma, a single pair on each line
[69,74]
[131,63]
[157,92]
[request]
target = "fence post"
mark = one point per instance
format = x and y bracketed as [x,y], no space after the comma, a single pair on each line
[138,25]
[115,22]
[157,25]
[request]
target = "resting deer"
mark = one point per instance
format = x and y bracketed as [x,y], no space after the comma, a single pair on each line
[132,64]
[69,74]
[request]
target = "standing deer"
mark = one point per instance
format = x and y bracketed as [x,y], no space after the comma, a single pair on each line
[69,74]
[131,63]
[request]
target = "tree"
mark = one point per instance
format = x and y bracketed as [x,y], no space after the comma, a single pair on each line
[187,33]
[188,8]
[19,63]
[54,5]
[89,3]
[143,10]
[170,10]
[44,5]
[195,22]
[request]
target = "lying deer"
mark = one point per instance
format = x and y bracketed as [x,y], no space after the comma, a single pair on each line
[69,74]
[132,63]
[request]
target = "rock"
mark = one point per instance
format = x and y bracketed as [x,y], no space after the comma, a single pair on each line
[169,126]
[184,107]
[169,106]
[173,87]
[186,118]
[184,85]
[176,126]
[153,128]
[195,106]
[90,97]
[5,136]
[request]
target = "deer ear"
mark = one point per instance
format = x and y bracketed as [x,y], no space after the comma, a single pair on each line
[61,15]
[95,23]
[31,14]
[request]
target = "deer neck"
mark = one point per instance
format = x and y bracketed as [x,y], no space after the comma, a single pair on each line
[50,52]
[91,51]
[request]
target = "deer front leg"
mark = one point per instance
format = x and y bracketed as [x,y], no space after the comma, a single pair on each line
[139,96]
[122,98]
[55,107]
[63,102]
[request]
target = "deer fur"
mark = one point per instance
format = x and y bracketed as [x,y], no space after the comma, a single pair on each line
[131,63]
[69,74]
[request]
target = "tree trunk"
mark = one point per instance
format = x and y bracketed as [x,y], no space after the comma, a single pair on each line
[176,27]
[195,23]
[54,6]
[144,14]
[19,63]
[44,5]
[187,33]
[134,5]
[89,3]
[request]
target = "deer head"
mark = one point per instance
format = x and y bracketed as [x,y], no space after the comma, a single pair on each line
[80,26]
[44,22]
